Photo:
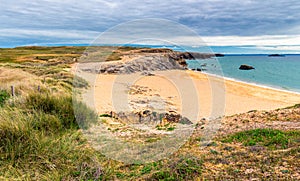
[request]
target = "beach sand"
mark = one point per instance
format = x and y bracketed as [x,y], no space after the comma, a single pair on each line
[193,94]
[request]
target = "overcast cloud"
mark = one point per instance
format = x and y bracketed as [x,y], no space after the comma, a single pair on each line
[71,21]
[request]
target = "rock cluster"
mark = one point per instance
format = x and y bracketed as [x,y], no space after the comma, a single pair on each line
[150,117]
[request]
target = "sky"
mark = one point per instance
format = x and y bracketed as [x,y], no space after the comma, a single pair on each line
[267,25]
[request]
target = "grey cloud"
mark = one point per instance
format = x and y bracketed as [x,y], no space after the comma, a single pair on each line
[207,17]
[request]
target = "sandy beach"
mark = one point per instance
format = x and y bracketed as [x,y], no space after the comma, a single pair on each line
[185,92]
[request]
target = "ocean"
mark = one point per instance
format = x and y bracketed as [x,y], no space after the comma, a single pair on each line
[275,72]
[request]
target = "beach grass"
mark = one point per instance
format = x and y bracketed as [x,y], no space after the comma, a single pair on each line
[37,142]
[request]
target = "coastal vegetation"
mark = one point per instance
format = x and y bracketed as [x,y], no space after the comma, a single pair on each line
[265,137]
[41,135]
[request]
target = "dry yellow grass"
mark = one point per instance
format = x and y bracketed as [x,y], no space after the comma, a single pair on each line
[22,81]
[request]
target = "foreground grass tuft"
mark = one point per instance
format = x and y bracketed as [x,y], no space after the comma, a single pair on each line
[40,140]
[34,145]
[71,113]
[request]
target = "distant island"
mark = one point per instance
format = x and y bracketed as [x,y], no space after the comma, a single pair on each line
[276,55]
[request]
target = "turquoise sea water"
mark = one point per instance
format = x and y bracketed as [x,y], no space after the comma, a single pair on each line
[277,72]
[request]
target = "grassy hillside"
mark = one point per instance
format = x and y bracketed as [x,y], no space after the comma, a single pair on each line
[62,54]
[21,54]
[41,140]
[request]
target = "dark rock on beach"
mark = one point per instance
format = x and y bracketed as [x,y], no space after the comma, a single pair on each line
[246,67]
[219,55]
[147,74]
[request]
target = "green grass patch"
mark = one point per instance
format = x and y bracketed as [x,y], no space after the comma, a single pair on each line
[4,96]
[273,139]
[152,140]
[293,107]
[146,169]
[170,128]
[45,58]
[167,127]
[106,115]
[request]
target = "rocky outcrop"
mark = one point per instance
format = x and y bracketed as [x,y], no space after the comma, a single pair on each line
[146,60]
[198,69]
[147,74]
[174,54]
[150,117]
[192,55]
[246,67]
[140,64]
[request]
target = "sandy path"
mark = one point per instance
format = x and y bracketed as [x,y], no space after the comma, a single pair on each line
[192,94]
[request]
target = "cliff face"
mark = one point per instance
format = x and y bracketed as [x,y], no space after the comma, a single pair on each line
[148,59]
[141,64]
